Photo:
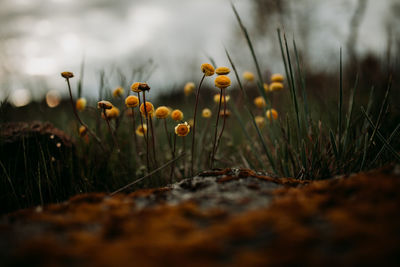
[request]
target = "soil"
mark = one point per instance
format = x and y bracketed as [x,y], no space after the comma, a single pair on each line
[229,217]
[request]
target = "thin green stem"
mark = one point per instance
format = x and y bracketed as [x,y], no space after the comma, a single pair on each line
[194,124]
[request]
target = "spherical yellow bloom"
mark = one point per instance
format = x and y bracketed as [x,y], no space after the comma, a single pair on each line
[82,131]
[111,113]
[272,114]
[222,81]
[139,87]
[227,113]
[118,92]
[260,121]
[177,115]
[248,76]
[275,86]
[67,74]
[141,131]
[149,108]
[260,102]
[182,129]
[131,101]
[217,96]
[81,104]
[222,70]
[104,104]
[266,87]
[162,112]
[276,77]
[207,69]
[206,113]
[188,89]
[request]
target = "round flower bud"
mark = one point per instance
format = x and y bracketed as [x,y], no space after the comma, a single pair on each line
[275,86]
[81,104]
[182,129]
[226,113]
[188,89]
[260,121]
[217,96]
[260,102]
[206,113]
[272,114]
[248,76]
[222,82]
[104,104]
[82,131]
[162,112]
[67,74]
[118,92]
[276,77]
[177,115]
[207,69]
[131,101]
[111,113]
[141,131]
[149,109]
[266,87]
[222,70]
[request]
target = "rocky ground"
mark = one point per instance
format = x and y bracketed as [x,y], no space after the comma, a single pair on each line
[230,217]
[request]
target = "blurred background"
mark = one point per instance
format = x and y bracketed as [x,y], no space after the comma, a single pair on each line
[41,38]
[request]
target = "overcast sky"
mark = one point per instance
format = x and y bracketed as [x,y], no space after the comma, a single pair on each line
[41,38]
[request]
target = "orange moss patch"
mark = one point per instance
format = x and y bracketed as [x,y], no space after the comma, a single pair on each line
[345,221]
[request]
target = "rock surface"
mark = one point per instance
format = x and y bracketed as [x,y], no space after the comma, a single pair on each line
[223,218]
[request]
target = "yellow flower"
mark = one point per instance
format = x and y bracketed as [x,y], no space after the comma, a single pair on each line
[206,113]
[272,114]
[162,112]
[104,104]
[227,113]
[111,113]
[118,92]
[67,74]
[276,77]
[248,76]
[260,102]
[266,87]
[222,81]
[149,108]
[217,96]
[141,131]
[222,70]
[275,86]
[132,101]
[188,89]
[182,129]
[260,121]
[139,87]
[177,115]
[81,104]
[207,69]
[82,131]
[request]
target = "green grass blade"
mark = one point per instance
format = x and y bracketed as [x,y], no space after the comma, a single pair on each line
[253,54]
[383,106]
[380,136]
[293,87]
[350,113]
[365,151]
[245,132]
[393,134]
[303,85]
[340,104]
[261,138]
[333,143]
